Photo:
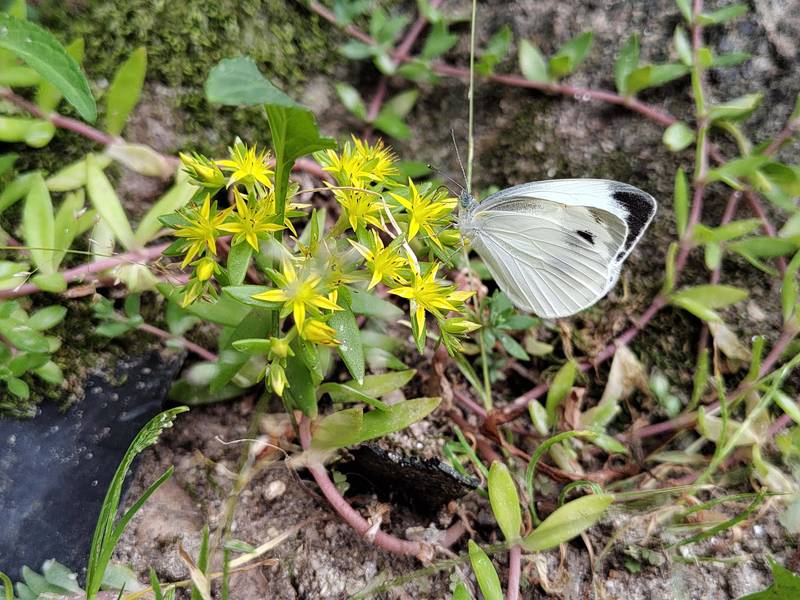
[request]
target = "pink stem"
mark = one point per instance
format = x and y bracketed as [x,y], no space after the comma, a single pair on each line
[514,572]
[79,272]
[786,133]
[190,346]
[353,518]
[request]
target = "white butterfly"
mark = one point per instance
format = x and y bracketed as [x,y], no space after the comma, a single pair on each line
[556,247]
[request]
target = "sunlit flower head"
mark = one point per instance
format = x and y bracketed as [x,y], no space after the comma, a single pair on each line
[202,228]
[247,166]
[299,294]
[426,210]
[427,294]
[203,171]
[361,208]
[359,164]
[384,263]
[247,224]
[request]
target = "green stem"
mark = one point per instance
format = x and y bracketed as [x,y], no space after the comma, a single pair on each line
[470,140]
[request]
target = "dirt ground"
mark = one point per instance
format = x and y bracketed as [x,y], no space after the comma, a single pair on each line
[521,136]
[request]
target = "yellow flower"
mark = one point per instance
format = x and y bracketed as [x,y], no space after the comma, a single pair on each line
[266,203]
[205,268]
[298,295]
[382,262]
[277,378]
[318,332]
[427,294]
[203,171]
[360,208]
[248,224]
[359,164]
[201,229]
[381,160]
[425,210]
[247,166]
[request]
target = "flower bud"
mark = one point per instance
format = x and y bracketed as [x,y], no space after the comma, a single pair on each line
[277,378]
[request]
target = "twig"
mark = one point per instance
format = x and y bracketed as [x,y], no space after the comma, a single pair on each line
[352,517]
[78,273]
[189,345]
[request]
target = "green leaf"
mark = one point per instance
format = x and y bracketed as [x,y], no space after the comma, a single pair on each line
[125,90]
[531,62]
[649,76]
[107,204]
[45,55]
[678,136]
[439,41]
[686,9]
[681,202]
[338,430]
[570,55]
[351,348]
[15,190]
[237,81]
[73,176]
[724,233]
[238,262]
[47,95]
[763,247]
[71,220]
[38,224]
[512,346]
[176,197]
[141,159]
[18,387]
[393,126]
[785,585]
[505,501]
[52,282]
[559,388]
[626,62]
[712,296]
[367,304]
[351,99]
[225,310]
[739,167]
[567,522]
[355,50]
[400,105]
[47,317]
[722,15]
[485,573]
[50,372]
[301,391]
[682,46]
[730,59]
[373,386]
[736,109]
[789,288]
[495,51]
[459,593]
[7,161]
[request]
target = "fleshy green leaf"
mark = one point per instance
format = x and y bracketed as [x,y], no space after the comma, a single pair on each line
[682,46]
[736,109]
[107,204]
[47,317]
[722,15]
[785,585]
[45,55]
[125,90]
[649,76]
[505,501]
[351,99]
[678,136]
[570,55]
[686,9]
[567,522]
[559,388]
[626,62]
[439,41]
[485,573]
[531,62]
[176,197]
[301,390]
[38,225]
[681,202]
[238,262]
[351,348]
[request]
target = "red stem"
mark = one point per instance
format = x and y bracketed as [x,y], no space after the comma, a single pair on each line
[355,520]
[79,272]
[190,346]
[514,572]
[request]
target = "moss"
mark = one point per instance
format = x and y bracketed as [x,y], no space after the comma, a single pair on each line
[185,39]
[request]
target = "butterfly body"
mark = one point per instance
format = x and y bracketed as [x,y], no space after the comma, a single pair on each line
[556,247]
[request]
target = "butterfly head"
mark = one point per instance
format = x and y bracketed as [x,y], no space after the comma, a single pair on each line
[465,200]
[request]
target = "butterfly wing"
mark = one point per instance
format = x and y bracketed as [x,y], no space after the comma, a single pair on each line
[556,247]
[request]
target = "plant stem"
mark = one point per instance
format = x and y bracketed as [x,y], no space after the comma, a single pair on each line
[471,97]
[352,517]
[190,346]
[78,273]
[514,571]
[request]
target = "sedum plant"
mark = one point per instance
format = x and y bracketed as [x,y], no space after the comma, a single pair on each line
[299,290]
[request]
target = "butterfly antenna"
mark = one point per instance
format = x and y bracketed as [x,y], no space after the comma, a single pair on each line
[458,158]
[445,175]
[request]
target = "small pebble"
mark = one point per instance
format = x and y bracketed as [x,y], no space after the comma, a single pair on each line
[275,489]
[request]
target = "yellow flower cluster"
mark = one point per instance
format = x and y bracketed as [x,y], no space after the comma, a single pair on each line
[386,220]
